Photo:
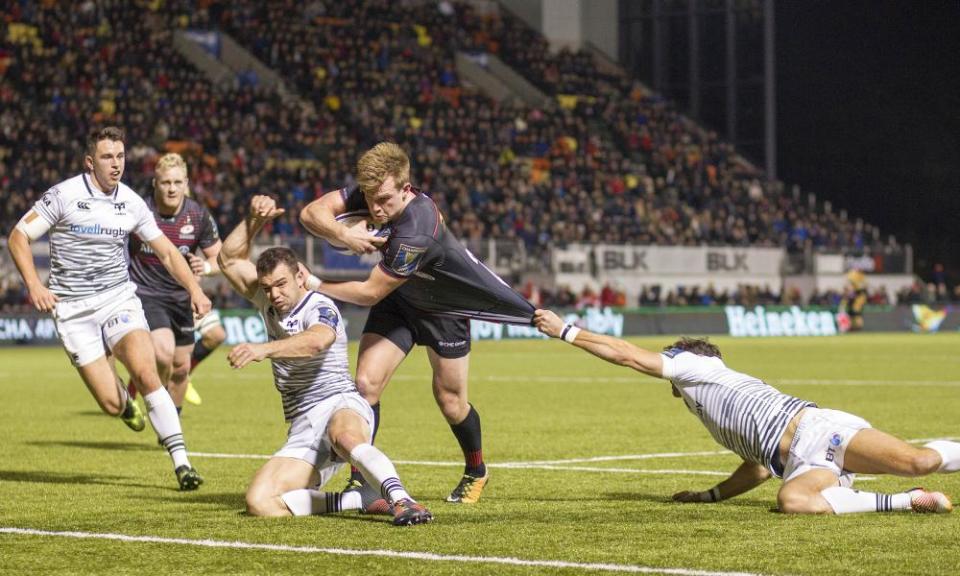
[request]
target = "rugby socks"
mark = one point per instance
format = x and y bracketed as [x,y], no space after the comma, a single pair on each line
[469,437]
[305,502]
[166,423]
[200,352]
[378,471]
[354,473]
[949,455]
[849,501]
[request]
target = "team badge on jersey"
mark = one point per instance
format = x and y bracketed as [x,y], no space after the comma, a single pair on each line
[328,317]
[407,259]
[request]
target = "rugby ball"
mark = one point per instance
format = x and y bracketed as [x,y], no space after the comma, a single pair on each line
[359,220]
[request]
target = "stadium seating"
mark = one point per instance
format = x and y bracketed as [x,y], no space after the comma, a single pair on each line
[603,160]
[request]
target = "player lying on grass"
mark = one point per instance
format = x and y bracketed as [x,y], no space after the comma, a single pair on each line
[816,451]
[330,423]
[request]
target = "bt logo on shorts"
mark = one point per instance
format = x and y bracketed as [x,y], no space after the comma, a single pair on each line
[122,318]
[835,441]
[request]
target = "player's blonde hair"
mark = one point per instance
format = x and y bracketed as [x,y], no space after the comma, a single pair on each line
[172,160]
[379,163]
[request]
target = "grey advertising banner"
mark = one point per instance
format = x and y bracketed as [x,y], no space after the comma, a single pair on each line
[243,325]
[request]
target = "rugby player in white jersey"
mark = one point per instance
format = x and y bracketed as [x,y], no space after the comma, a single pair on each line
[815,451]
[330,422]
[94,304]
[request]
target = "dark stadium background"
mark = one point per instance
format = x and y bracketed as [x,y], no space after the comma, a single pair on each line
[869,115]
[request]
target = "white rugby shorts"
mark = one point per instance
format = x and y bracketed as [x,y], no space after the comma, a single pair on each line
[90,326]
[308,440]
[820,442]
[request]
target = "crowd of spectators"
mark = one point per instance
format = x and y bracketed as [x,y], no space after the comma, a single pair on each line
[709,194]
[377,70]
[113,62]
[601,160]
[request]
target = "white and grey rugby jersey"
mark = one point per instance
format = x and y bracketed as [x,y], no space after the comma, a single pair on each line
[741,412]
[88,235]
[303,382]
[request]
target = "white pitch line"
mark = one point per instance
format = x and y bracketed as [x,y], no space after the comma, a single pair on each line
[561,465]
[531,463]
[505,465]
[541,463]
[634,379]
[614,458]
[622,470]
[847,382]
[393,554]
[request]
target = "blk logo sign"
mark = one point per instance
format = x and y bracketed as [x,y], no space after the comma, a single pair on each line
[721,262]
[631,260]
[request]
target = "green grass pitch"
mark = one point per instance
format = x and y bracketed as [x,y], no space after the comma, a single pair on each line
[64,467]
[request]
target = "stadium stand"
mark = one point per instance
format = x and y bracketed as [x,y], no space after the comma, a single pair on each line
[602,160]
[644,174]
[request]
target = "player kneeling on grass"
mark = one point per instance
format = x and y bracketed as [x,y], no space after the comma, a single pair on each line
[330,423]
[816,451]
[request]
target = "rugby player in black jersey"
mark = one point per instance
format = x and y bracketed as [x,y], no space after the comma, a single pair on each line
[425,290]
[189,225]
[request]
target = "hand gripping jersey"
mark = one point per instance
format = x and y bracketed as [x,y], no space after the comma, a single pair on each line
[88,235]
[304,382]
[742,413]
[189,229]
[443,276]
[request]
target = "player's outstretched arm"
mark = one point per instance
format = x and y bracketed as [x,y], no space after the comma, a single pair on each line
[31,227]
[745,478]
[319,218]
[366,293]
[306,344]
[608,348]
[234,257]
